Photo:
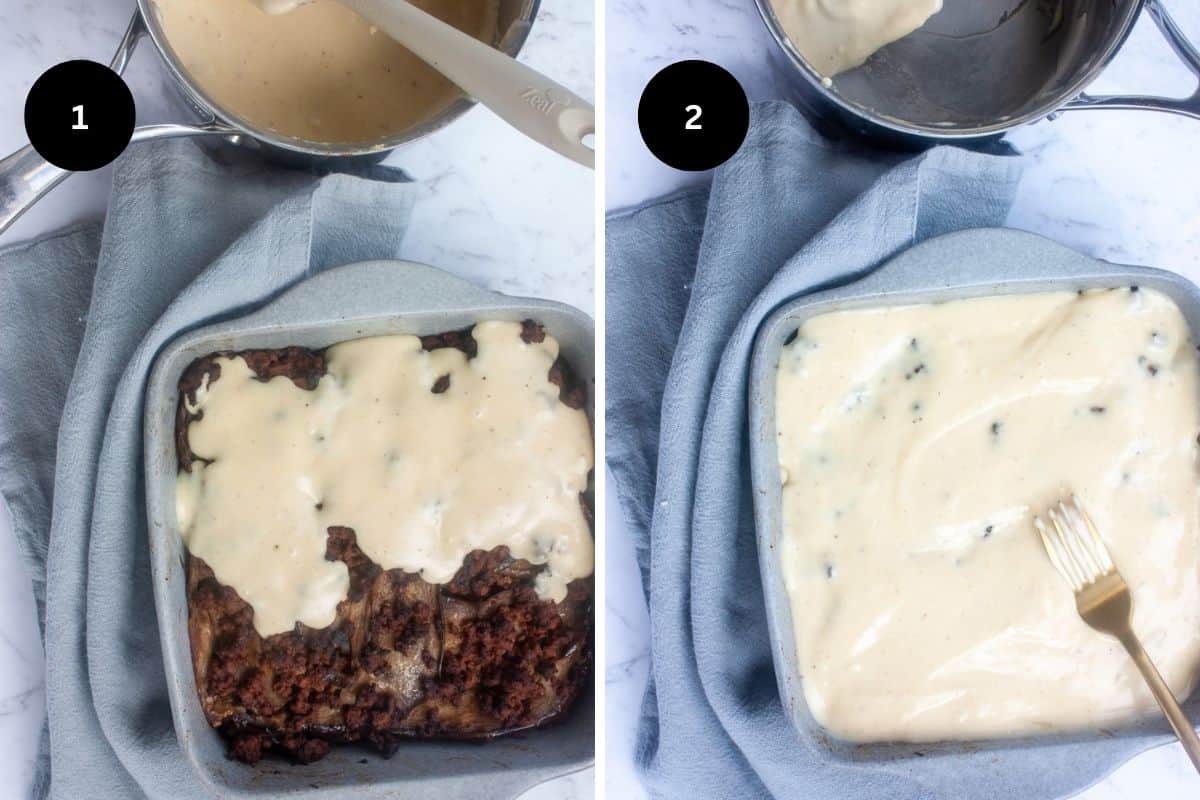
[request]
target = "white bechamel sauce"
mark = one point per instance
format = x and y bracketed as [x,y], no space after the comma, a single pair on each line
[422,478]
[280,6]
[917,443]
[837,35]
[319,72]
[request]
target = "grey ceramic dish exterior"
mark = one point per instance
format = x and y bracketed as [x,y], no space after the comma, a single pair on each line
[371,298]
[968,264]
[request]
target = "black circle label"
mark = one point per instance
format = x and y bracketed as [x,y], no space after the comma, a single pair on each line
[79,115]
[694,115]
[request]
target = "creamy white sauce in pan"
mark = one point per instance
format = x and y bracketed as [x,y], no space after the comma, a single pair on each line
[422,478]
[319,72]
[915,445]
[837,35]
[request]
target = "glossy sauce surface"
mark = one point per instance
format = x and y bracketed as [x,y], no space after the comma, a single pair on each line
[837,35]
[423,477]
[916,443]
[319,72]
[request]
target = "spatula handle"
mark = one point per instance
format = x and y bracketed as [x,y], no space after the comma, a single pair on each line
[542,109]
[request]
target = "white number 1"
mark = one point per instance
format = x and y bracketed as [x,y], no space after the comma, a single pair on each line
[693,123]
[79,125]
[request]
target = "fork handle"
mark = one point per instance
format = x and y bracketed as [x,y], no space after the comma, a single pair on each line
[1166,700]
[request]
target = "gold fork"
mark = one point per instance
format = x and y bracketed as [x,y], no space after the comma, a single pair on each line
[1103,600]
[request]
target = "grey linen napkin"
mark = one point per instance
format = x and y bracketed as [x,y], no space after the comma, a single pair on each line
[189,239]
[689,281]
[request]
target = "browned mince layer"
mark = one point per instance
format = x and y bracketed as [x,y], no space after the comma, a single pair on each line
[474,658]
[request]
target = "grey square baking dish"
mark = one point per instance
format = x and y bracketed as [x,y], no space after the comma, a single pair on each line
[370,298]
[967,264]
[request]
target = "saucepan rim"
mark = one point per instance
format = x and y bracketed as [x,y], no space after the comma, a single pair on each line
[511,43]
[1051,103]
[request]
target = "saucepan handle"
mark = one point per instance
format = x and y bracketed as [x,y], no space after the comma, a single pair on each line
[26,177]
[1188,54]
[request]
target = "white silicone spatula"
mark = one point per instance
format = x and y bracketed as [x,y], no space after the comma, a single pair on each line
[524,98]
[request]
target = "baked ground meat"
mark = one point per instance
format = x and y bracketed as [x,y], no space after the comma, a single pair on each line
[474,658]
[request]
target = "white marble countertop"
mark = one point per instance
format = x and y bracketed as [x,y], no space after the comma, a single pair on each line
[496,208]
[1124,186]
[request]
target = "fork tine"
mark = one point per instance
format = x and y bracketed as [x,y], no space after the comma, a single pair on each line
[1064,555]
[1079,570]
[1088,568]
[1078,577]
[1052,552]
[1098,548]
[1076,531]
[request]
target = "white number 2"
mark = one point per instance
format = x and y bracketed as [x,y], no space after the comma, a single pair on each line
[693,123]
[79,125]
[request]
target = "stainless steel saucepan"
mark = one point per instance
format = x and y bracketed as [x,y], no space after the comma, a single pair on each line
[25,177]
[980,68]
